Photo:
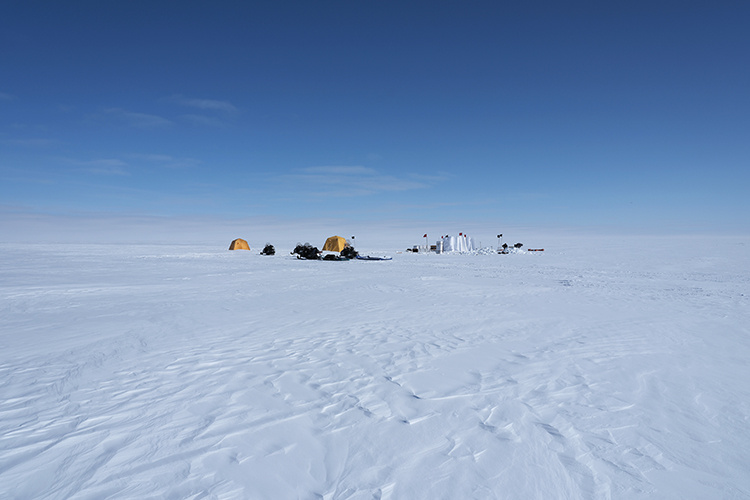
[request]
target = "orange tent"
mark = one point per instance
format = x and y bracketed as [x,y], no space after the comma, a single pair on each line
[239,244]
[334,244]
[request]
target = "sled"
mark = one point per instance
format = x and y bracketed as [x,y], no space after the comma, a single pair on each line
[368,257]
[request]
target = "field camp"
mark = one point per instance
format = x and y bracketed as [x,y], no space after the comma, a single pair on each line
[339,248]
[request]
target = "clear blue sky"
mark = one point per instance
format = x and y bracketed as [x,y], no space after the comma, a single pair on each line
[547,113]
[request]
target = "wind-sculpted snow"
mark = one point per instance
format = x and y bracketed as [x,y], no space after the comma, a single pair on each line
[163,372]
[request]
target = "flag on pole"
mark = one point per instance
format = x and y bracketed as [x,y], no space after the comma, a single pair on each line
[425,236]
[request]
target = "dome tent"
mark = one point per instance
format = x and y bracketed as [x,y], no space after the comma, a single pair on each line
[334,244]
[239,244]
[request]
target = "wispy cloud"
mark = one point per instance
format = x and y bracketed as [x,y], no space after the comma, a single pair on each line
[211,112]
[138,120]
[340,170]
[37,143]
[166,161]
[103,166]
[205,104]
[7,97]
[203,120]
[355,181]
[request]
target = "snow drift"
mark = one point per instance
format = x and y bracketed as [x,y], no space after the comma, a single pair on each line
[193,372]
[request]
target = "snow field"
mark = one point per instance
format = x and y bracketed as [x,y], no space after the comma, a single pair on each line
[193,372]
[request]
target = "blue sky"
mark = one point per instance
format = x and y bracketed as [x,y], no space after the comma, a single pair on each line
[527,113]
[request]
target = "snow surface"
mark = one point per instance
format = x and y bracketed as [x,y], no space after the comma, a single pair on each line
[590,370]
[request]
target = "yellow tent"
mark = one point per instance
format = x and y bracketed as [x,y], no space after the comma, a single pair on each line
[334,244]
[239,244]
